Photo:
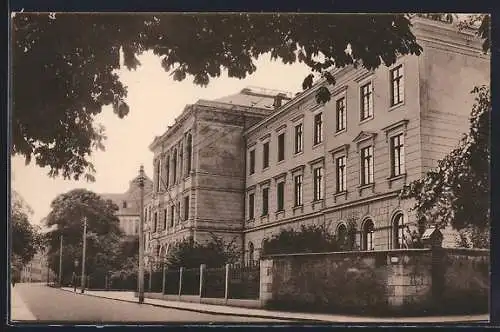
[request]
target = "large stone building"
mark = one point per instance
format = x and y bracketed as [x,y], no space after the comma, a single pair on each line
[199,170]
[341,164]
[129,206]
[37,270]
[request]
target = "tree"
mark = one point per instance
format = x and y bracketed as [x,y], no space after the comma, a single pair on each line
[64,65]
[457,193]
[25,237]
[191,254]
[103,232]
[311,238]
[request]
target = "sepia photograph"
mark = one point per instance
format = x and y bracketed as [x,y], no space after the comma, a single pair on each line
[249,168]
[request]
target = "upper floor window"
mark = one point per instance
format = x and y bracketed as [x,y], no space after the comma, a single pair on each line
[124,204]
[318,128]
[281,147]
[318,183]
[265,201]
[397,85]
[251,206]
[165,218]
[181,160]
[341,173]
[298,138]
[158,175]
[397,155]
[280,193]
[174,167]
[265,155]
[178,212]
[172,215]
[155,222]
[340,109]
[298,190]
[167,172]
[366,101]
[186,208]
[189,152]
[252,161]
[367,165]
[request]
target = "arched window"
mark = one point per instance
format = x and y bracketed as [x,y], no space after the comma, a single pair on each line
[367,235]
[250,252]
[189,152]
[342,234]
[397,231]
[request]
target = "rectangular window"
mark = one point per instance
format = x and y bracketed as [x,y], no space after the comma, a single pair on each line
[318,128]
[186,208]
[265,201]
[397,85]
[165,219]
[397,155]
[340,114]
[251,206]
[172,216]
[167,172]
[252,161]
[155,222]
[265,155]
[281,147]
[318,183]
[280,195]
[367,165]
[341,174]
[178,212]
[298,138]
[366,101]
[298,190]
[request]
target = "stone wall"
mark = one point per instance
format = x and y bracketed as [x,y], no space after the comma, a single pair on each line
[409,282]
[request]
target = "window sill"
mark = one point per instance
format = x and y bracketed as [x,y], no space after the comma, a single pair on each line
[264,218]
[339,194]
[299,208]
[340,132]
[280,213]
[296,154]
[265,168]
[365,187]
[393,107]
[280,162]
[392,179]
[317,145]
[366,120]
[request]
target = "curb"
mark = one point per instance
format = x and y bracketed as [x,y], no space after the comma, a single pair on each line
[204,311]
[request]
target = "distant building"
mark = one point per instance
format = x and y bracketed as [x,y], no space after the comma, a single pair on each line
[37,270]
[129,206]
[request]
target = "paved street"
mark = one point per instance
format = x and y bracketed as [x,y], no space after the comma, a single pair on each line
[55,305]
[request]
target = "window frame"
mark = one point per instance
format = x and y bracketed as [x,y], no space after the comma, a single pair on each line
[280,201]
[318,129]
[265,202]
[400,168]
[298,190]
[367,114]
[340,186]
[318,186]
[265,155]
[251,206]
[339,129]
[251,161]
[299,138]
[370,166]
[400,80]
[281,146]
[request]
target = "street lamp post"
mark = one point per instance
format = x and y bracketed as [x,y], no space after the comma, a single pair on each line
[140,277]
[83,253]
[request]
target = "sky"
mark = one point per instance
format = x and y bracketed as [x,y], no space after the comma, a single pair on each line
[155,100]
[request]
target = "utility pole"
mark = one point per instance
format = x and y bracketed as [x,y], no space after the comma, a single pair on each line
[60,259]
[140,277]
[83,253]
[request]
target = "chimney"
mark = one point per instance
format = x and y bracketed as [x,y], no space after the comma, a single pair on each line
[278,100]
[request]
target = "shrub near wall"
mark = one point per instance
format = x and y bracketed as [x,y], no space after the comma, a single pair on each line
[333,283]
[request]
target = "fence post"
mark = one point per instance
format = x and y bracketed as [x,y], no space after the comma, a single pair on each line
[226,287]
[180,282]
[163,279]
[202,268]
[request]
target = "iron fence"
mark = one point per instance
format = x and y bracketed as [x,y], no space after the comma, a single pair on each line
[214,282]
[171,282]
[244,281]
[190,282]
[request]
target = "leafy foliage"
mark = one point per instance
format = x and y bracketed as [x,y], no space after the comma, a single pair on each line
[103,233]
[458,191]
[25,238]
[64,66]
[310,238]
[191,254]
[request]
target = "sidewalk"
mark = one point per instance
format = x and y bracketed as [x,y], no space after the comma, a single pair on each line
[19,311]
[294,316]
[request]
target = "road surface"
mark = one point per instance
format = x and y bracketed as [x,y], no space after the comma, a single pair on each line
[52,305]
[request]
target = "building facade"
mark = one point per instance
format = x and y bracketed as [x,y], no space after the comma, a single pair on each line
[343,163]
[246,166]
[37,270]
[199,171]
[129,206]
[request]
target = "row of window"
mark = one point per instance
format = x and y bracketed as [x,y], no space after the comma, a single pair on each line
[171,165]
[169,220]
[366,177]
[366,112]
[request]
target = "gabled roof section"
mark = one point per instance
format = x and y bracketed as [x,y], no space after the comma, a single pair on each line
[363,136]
